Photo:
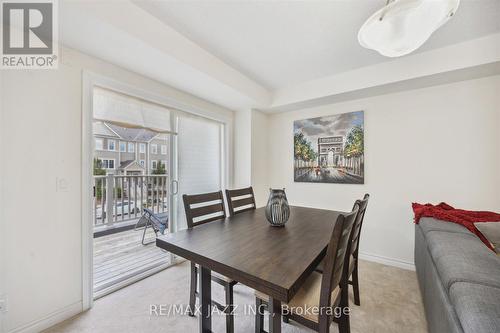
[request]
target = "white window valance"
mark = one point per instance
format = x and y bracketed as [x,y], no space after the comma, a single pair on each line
[129,111]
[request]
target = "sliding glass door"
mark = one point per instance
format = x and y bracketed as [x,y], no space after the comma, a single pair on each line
[145,156]
[131,188]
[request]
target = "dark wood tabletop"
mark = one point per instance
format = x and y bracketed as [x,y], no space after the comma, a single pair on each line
[246,248]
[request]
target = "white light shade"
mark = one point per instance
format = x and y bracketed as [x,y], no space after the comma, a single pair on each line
[403,26]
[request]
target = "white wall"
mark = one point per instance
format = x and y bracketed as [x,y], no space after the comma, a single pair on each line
[260,153]
[251,153]
[41,229]
[427,145]
[41,134]
[242,150]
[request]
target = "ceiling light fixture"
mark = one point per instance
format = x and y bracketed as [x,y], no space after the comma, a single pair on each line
[402,26]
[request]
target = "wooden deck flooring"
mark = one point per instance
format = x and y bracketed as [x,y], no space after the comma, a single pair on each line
[121,257]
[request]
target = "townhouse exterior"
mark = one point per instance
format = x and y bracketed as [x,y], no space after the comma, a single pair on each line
[129,151]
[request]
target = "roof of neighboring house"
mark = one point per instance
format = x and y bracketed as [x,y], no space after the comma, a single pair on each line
[102,129]
[129,163]
[161,138]
[132,134]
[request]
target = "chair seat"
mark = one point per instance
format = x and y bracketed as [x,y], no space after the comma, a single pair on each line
[321,266]
[306,297]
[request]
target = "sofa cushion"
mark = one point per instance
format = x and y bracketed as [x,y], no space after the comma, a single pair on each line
[463,258]
[477,307]
[491,231]
[445,243]
[431,224]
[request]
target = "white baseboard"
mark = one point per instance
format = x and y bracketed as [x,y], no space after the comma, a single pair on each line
[387,261]
[50,320]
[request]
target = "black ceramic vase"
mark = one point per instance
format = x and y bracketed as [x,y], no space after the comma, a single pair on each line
[277,209]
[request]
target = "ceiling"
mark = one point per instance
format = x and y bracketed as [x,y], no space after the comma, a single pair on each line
[279,44]
[274,55]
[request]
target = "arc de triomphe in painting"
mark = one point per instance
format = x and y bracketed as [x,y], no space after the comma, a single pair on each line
[334,144]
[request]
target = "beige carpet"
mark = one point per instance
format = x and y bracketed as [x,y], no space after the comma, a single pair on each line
[390,302]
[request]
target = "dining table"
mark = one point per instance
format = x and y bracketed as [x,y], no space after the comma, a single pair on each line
[248,249]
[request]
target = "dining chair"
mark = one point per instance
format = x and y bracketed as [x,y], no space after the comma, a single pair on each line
[353,259]
[240,200]
[201,209]
[352,272]
[325,292]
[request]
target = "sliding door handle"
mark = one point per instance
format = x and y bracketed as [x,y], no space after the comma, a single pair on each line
[175,187]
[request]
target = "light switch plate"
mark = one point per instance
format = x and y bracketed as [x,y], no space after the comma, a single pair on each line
[62,185]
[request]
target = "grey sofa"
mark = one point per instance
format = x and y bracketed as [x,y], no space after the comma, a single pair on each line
[459,279]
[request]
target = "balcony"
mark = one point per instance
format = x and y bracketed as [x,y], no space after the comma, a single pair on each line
[120,258]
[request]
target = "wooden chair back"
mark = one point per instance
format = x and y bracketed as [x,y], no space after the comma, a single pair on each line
[203,208]
[356,229]
[334,261]
[236,199]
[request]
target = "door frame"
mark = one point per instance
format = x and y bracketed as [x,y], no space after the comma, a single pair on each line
[89,80]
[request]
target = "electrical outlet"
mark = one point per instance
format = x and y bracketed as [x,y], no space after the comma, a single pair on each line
[3,304]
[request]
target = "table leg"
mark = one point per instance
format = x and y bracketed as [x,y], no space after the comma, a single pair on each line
[274,315]
[205,300]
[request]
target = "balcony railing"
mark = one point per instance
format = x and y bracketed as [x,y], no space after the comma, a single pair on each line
[121,198]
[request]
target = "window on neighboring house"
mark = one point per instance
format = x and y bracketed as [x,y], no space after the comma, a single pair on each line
[142,148]
[107,163]
[164,149]
[142,163]
[154,164]
[123,146]
[154,148]
[99,144]
[112,145]
[131,147]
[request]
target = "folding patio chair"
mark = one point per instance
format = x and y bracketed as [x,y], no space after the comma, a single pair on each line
[158,222]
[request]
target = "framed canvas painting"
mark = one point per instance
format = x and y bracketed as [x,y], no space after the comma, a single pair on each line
[330,149]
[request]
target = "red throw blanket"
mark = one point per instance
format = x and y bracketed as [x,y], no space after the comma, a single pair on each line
[466,218]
